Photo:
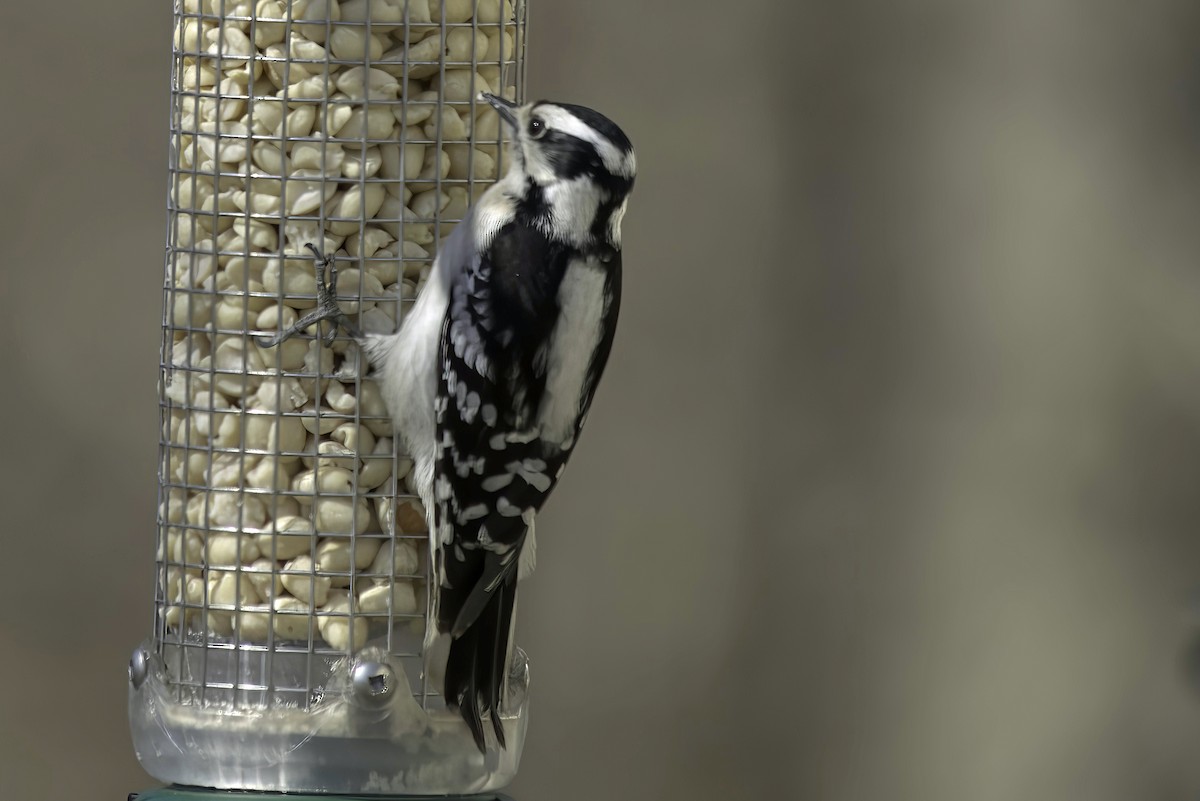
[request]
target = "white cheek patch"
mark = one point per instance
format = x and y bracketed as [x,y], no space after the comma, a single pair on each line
[538,167]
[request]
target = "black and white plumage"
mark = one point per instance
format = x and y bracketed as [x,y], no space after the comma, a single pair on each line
[490,377]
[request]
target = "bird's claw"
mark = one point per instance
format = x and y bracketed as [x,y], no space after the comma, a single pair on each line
[327,305]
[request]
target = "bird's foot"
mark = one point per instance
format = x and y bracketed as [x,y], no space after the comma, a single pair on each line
[327,305]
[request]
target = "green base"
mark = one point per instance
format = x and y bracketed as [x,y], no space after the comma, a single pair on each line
[177,793]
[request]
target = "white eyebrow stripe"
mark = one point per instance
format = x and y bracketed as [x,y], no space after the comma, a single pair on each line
[559,119]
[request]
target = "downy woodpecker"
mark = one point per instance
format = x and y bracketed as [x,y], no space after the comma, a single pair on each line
[490,376]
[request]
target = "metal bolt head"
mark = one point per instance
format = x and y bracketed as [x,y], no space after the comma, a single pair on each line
[139,667]
[373,683]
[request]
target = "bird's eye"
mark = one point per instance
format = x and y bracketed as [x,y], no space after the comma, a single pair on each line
[536,128]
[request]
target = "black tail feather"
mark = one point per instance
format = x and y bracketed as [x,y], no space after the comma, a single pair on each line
[505,595]
[477,662]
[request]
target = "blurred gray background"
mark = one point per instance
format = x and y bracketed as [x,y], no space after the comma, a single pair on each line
[891,489]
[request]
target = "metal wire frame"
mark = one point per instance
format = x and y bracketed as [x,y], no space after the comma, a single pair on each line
[232,670]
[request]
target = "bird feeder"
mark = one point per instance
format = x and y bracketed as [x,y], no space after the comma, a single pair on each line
[287,650]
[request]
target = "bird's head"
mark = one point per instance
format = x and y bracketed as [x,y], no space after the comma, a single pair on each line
[578,162]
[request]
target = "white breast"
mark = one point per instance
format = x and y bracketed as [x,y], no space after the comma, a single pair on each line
[573,342]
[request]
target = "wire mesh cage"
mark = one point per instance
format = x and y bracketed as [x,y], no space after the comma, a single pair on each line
[292,555]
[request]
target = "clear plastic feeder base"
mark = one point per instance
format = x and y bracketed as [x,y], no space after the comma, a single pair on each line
[195,794]
[362,733]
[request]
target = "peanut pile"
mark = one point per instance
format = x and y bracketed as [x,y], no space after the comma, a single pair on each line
[352,126]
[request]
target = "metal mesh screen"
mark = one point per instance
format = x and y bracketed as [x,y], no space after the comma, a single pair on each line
[288,536]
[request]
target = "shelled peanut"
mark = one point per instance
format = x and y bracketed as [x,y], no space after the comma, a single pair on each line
[296,122]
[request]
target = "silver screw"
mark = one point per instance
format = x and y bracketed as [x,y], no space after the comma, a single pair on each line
[139,667]
[373,683]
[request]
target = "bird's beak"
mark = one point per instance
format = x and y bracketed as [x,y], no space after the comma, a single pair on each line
[505,108]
